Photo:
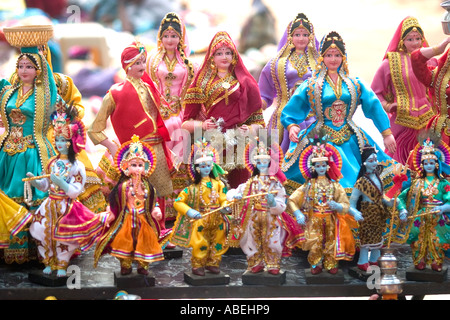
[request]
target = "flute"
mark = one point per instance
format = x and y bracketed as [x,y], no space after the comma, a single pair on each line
[36,177]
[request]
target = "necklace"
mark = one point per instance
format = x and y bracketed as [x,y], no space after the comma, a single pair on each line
[213,195]
[138,196]
[323,193]
[430,189]
[21,97]
[337,88]
[299,62]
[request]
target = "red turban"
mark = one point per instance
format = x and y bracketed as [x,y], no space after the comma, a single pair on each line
[131,53]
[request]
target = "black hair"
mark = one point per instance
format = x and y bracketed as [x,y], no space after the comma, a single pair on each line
[419,29]
[303,20]
[327,42]
[198,176]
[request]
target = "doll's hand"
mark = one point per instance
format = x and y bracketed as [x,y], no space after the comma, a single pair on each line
[59,181]
[208,125]
[389,203]
[157,214]
[442,209]
[34,183]
[271,200]
[293,133]
[237,196]
[403,214]
[300,217]
[356,214]
[390,144]
[393,107]
[193,214]
[244,129]
[335,206]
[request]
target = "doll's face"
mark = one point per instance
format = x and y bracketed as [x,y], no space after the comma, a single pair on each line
[429,165]
[300,38]
[137,69]
[332,59]
[413,41]
[263,165]
[223,57]
[26,71]
[136,167]
[205,168]
[170,40]
[321,168]
[62,144]
[371,163]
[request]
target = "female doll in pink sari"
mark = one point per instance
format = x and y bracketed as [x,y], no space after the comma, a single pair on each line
[402,95]
[172,72]
[296,59]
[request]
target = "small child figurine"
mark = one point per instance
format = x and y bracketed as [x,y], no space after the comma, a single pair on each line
[370,208]
[261,232]
[135,234]
[201,202]
[62,224]
[322,205]
[425,202]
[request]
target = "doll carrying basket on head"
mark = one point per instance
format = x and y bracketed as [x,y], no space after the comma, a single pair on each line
[28,36]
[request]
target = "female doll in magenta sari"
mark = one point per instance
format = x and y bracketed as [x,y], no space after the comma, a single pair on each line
[224,97]
[25,112]
[333,97]
[427,202]
[402,95]
[169,68]
[297,57]
[62,224]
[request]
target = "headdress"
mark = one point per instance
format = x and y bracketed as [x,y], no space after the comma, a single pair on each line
[171,22]
[256,149]
[405,27]
[203,151]
[66,124]
[301,21]
[333,41]
[131,53]
[135,149]
[319,150]
[431,148]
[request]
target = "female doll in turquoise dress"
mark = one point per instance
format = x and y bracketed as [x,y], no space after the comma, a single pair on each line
[427,203]
[333,96]
[294,63]
[25,110]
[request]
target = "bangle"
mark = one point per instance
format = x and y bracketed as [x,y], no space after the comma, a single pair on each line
[292,125]
[386,133]
[386,106]
[435,50]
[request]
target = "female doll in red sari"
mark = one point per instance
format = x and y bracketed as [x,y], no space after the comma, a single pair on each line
[224,97]
[402,95]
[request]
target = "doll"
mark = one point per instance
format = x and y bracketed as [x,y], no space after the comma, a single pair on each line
[262,231]
[425,203]
[62,224]
[295,61]
[402,95]
[322,206]
[370,208]
[202,222]
[135,233]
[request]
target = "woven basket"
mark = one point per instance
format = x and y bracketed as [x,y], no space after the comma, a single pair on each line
[28,36]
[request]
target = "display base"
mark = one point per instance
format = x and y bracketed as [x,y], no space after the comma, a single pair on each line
[48,280]
[324,277]
[264,278]
[357,273]
[134,280]
[174,253]
[428,275]
[206,280]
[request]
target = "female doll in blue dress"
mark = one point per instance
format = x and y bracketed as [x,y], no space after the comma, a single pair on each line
[333,97]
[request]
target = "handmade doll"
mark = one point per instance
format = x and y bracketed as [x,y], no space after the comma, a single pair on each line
[294,63]
[332,96]
[322,206]
[402,95]
[135,233]
[172,72]
[202,222]
[425,203]
[224,101]
[62,224]
[263,230]
[370,208]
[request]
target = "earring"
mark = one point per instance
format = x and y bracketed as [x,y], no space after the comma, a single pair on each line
[197,169]
[68,144]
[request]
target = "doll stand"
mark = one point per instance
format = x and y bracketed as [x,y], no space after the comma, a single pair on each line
[208,279]
[48,280]
[324,277]
[174,253]
[264,278]
[134,280]
[357,273]
[428,275]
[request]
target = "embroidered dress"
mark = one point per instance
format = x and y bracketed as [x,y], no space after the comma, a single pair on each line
[263,233]
[328,235]
[395,81]
[62,224]
[428,234]
[206,236]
